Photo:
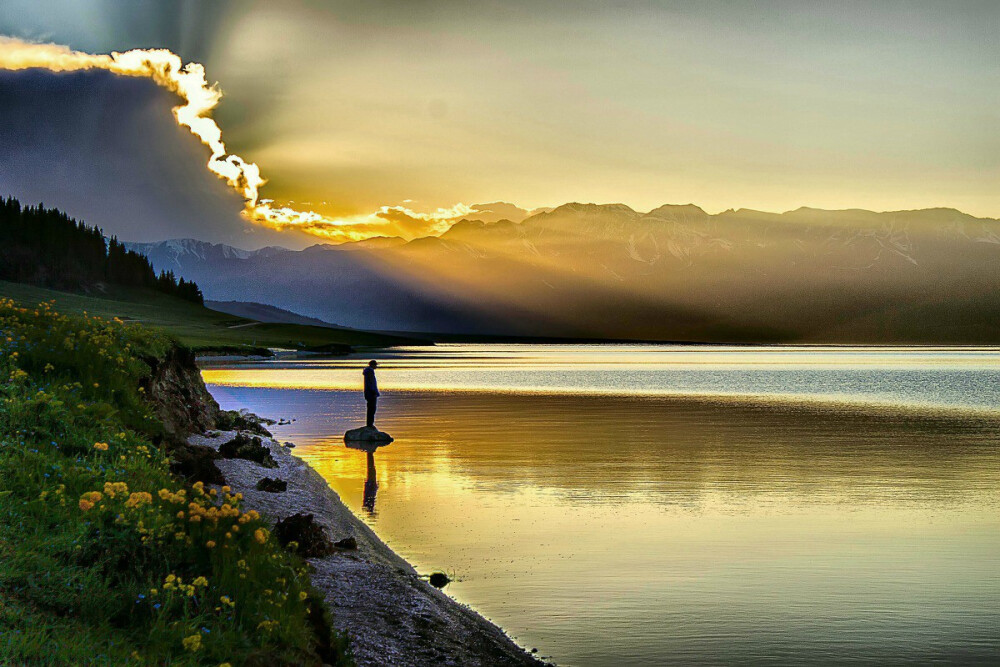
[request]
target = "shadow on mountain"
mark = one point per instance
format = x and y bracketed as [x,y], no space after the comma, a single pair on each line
[675,273]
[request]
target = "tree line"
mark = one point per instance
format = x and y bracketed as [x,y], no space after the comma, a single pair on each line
[46,247]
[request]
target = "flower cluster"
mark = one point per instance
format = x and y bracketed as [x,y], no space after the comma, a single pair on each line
[139,499]
[89,499]
[112,489]
[175,583]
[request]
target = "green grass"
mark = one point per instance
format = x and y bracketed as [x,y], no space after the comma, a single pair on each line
[106,558]
[196,326]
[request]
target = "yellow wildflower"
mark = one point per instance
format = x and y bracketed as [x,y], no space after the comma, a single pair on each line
[210,544]
[303,595]
[89,499]
[200,581]
[267,626]
[112,489]
[139,499]
[192,643]
[101,446]
[261,535]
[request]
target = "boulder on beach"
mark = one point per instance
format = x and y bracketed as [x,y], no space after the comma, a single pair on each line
[272,485]
[346,543]
[303,535]
[368,434]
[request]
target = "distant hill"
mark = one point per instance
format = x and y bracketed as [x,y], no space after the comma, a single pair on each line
[265,313]
[673,273]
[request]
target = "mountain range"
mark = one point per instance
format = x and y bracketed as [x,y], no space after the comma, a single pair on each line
[607,271]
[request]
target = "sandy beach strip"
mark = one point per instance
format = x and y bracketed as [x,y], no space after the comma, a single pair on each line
[392,616]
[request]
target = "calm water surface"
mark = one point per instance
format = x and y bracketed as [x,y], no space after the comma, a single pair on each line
[651,504]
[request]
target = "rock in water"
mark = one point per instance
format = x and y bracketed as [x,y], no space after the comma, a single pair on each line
[439,580]
[367,434]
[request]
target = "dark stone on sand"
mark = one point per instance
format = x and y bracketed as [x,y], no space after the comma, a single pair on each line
[301,534]
[249,448]
[243,420]
[196,463]
[439,580]
[367,434]
[346,543]
[272,485]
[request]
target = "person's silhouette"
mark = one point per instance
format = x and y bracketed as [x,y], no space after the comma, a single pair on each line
[371,391]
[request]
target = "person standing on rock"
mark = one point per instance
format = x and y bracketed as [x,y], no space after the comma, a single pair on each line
[371,391]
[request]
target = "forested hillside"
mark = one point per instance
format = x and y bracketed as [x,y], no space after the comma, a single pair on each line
[47,247]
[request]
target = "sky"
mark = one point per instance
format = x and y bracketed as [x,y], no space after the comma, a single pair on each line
[350,108]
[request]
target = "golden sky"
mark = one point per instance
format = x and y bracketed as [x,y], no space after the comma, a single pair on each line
[351,106]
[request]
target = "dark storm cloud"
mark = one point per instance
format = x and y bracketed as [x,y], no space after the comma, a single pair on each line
[106,149]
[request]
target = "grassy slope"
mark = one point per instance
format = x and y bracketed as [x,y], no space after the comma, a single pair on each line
[107,558]
[196,326]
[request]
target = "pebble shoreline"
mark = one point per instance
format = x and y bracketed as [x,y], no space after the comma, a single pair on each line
[392,616]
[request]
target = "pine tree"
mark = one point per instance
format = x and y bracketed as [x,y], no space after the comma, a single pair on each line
[46,247]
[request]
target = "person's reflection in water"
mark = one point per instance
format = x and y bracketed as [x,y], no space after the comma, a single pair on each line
[371,485]
[371,479]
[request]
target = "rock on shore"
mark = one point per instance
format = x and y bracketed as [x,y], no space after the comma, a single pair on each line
[368,434]
[392,616]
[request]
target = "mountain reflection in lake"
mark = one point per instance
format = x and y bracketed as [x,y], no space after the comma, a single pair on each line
[614,529]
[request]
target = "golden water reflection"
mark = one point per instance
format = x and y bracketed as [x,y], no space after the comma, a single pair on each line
[611,530]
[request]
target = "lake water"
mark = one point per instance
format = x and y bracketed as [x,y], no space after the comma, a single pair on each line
[645,505]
